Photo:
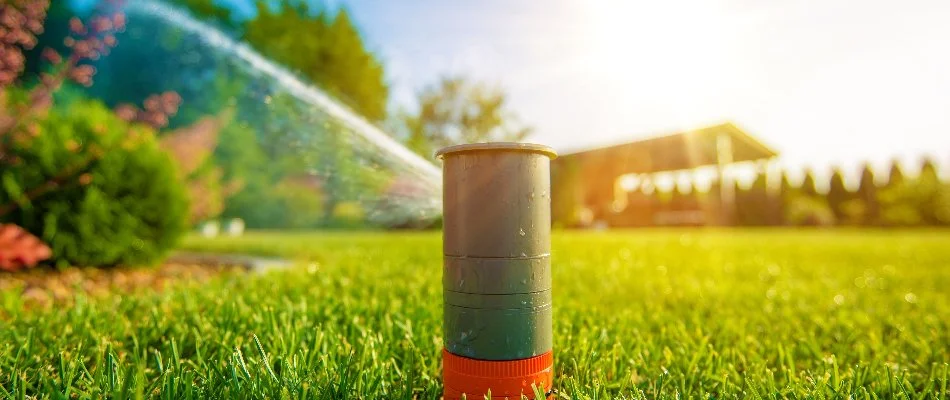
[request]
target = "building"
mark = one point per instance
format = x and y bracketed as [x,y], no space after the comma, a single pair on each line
[615,185]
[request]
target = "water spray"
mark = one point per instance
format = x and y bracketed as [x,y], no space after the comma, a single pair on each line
[497,270]
[353,160]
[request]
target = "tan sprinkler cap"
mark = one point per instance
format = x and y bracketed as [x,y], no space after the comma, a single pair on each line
[498,146]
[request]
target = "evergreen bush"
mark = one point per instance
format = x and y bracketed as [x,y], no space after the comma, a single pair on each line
[98,190]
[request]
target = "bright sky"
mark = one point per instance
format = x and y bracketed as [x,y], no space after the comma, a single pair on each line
[822,81]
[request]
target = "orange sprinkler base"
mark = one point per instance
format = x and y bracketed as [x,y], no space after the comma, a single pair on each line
[506,379]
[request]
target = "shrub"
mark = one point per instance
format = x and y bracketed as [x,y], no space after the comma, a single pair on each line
[287,204]
[97,189]
[804,210]
[916,202]
[191,148]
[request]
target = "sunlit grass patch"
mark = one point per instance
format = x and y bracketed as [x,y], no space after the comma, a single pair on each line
[641,314]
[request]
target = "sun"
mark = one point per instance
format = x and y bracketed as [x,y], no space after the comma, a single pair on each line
[672,51]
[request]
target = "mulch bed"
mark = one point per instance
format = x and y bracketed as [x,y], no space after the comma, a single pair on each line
[45,287]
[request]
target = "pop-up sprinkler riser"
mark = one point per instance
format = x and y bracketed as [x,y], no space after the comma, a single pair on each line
[497,269]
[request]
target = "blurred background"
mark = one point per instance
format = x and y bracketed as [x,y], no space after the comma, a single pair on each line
[125,124]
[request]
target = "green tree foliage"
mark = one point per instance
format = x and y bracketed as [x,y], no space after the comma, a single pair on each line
[928,171]
[457,111]
[286,204]
[804,206]
[238,154]
[867,204]
[192,148]
[327,49]
[785,186]
[752,203]
[270,158]
[838,196]
[297,169]
[782,200]
[809,211]
[565,207]
[99,191]
[211,11]
[808,188]
[921,201]
[895,176]
[334,164]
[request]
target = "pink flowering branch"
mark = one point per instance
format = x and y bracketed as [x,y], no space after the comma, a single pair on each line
[20,22]
[158,109]
[87,43]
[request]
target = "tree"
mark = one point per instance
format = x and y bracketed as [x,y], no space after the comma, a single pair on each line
[928,171]
[326,49]
[775,209]
[565,204]
[807,187]
[838,196]
[934,196]
[752,204]
[209,11]
[781,201]
[192,148]
[299,169]
[867,195]
[805,206]
[809,211]
[895,176]
[457,111]
[921,201]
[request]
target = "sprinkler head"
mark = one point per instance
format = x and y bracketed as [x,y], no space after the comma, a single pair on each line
[497,269]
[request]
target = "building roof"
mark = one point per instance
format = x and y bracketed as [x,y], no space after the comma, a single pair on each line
[678,151]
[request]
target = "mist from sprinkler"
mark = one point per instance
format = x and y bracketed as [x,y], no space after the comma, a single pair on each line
[311,123]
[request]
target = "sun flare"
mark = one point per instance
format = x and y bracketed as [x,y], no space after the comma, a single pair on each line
[674,52]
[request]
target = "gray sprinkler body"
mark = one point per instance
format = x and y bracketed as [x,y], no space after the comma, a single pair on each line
[497,250]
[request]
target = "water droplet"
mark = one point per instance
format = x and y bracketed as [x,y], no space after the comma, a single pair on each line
[910,298]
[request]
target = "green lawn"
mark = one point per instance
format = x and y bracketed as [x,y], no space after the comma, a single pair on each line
[642,314]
